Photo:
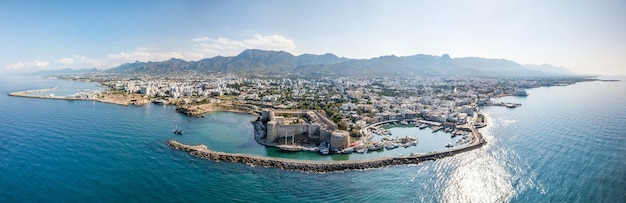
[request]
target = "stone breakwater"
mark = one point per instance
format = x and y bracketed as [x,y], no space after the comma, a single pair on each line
[201,151]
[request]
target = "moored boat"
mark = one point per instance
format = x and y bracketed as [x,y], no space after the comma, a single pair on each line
[375,147]
[347,150]
[290,148]
[390,146]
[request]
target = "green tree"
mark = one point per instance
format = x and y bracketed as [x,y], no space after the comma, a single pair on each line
[342,125]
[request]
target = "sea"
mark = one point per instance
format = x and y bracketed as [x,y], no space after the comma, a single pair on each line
[564,144]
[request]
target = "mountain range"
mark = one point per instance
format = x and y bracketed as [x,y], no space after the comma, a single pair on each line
[254,61]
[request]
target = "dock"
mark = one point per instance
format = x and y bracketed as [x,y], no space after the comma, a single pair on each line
[27,93]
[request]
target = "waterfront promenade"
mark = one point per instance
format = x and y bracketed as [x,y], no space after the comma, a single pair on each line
[201,151]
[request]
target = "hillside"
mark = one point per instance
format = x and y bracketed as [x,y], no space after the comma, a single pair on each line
[277,62]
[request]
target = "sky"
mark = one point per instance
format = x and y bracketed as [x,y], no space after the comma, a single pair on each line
[587,37]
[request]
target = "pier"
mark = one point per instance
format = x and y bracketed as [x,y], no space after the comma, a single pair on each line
[506,104]
[203,152]
[51,96]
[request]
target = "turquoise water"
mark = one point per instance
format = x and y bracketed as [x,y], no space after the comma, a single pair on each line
[563,144]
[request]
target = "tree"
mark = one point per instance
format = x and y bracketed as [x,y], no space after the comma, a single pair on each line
[342,125]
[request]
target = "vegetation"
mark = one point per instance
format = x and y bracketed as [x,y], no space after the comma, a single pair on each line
[342,125]
[203,101]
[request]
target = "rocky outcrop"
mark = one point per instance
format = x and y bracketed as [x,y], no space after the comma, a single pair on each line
[198,110]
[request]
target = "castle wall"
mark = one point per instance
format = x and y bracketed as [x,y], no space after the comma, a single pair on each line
[278,131]
[320,127]
[329,124]
[339,139]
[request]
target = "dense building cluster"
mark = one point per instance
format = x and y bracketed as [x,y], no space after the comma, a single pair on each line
[350,102]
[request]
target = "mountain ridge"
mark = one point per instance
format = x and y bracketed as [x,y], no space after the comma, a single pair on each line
[276,62]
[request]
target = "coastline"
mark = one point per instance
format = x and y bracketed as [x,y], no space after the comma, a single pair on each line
[203,152]
[123,100]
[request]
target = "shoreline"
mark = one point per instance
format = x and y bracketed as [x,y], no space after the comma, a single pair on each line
[203,152]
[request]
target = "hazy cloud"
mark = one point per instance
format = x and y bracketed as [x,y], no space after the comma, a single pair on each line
[198,48]
[208,47]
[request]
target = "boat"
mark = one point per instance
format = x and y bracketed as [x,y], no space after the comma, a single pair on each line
[423,126]
[375,147]
[391,146]
[362,150]
[324,150]
[347,150]
[311,149]
[449,145]
[290,148]
[178,130]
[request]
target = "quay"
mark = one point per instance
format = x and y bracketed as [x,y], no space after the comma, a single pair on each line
[136,100]
[506,104]
[51,96]
[203,152]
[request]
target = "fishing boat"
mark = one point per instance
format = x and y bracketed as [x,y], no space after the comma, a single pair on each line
[362,150]
[347,150]
[324,150]
[178,130]
[391,146]
[375,147]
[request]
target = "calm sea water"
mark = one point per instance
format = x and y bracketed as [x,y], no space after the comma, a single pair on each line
[565,144]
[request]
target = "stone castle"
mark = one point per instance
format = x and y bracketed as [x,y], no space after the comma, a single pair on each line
[287,123]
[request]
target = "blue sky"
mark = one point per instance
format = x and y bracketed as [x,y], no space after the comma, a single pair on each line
[585,36]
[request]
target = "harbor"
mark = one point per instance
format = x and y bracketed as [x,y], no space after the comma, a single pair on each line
[203,152]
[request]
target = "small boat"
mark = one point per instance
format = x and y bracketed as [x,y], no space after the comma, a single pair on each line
[375,147]
[449,145]
[361,151]
[423,126]
[347,150]
[178,130]
[324,150]
[391,146]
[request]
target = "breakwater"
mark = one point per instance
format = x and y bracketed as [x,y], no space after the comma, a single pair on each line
[201,151]
[28,94]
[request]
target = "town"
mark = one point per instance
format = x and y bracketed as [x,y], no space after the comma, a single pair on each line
[349,106]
